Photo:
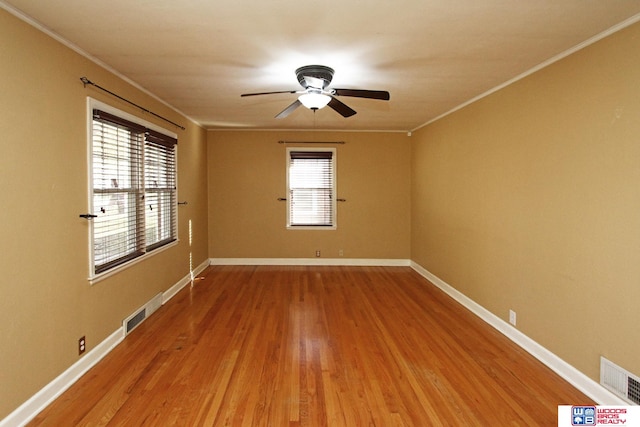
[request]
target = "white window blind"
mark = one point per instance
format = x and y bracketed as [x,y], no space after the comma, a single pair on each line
[311,182]
[134,190]
[160,189]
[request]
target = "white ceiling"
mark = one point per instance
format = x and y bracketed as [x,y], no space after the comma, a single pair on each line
[432,55]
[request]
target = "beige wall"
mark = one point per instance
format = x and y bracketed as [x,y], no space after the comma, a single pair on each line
[530,200]
[46,302]
[247,173]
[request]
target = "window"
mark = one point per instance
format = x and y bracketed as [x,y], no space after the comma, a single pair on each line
[311,188]
[133,192]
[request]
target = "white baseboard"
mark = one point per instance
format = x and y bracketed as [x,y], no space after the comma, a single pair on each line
[32,407]
[591,388]
[172,291]
[313,261]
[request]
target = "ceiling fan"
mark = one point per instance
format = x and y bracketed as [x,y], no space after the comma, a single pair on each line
[316,94]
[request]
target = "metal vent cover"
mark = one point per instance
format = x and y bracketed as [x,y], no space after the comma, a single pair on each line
[135,320]
[633,390]
[619,381]
[131,322]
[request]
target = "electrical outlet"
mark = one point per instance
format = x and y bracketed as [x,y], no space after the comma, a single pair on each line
[82,345]
[318,253]
[340,252]
[512,317]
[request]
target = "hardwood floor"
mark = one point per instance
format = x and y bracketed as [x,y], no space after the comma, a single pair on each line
[313,346]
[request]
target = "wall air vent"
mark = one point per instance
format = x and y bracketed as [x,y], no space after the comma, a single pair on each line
[134,321]
[633,390]
[619,381]
[131,322]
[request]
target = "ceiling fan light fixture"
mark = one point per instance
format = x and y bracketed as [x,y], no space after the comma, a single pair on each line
[314,101]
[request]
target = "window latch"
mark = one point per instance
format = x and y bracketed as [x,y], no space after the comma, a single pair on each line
[88,216]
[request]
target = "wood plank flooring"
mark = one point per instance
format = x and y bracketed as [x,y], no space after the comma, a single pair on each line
[313,346]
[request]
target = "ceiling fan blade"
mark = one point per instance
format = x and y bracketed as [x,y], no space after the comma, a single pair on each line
[268,93]
[284,113]
[359,93]
[341,108]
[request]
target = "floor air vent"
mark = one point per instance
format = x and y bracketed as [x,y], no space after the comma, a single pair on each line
[131,322]
[619,381]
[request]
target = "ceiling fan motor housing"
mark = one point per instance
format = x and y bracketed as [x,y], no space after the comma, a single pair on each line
[318,71]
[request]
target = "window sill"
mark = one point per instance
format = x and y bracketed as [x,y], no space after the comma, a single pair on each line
[311,227]
[101,276]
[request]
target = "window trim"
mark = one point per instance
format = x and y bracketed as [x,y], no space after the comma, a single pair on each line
[334,165]
[92,104]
